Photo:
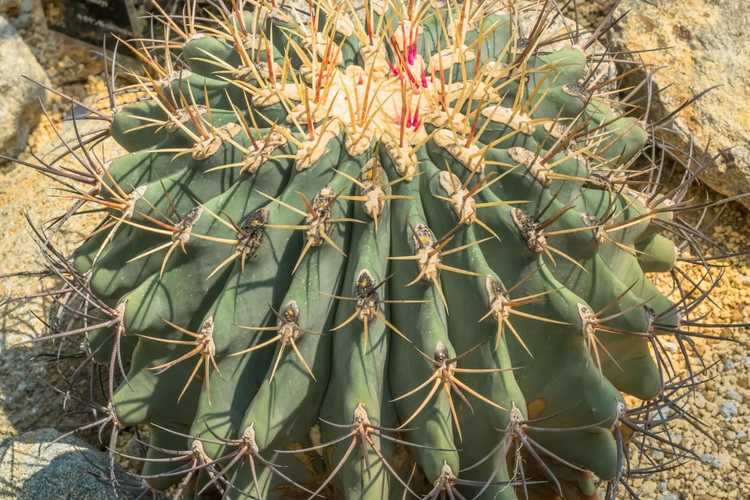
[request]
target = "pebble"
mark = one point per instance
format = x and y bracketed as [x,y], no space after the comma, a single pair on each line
[734,395]
[668,495]
[711,460]
[714,461]
[728,409]
[670,347]
[677,437]
[661,414]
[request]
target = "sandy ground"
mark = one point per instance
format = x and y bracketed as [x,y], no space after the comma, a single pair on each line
[27,400]
[27,375]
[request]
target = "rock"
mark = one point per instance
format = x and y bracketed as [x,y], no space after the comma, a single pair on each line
[707,46]
[668,495]
[710,460]
[19,98]
[33,467]
[713,461]
[728,409]
[10,7]
[676,437]
[660,414]
[22,13]
[670,346]
[734,395]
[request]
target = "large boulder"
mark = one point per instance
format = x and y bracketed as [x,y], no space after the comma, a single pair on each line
[34,466]
[706,44]
[19,97]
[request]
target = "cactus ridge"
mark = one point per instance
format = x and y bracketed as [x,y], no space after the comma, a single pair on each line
[391,251]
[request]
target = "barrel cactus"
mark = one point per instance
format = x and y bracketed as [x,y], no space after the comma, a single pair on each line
[387,250]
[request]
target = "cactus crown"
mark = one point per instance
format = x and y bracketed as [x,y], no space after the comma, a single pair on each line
[329,218]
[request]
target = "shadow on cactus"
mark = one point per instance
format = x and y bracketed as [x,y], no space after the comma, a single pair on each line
[386,252]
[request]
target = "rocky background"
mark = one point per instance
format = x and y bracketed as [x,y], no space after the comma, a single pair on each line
[701,43]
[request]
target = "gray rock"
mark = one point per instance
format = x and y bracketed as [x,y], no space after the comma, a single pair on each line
[32,467]
[668,495]
[711,460]
[734,395]
[670,346]
[707,42]
[20,12]
[660,414]
[728,409]
[19,98]
[676,436]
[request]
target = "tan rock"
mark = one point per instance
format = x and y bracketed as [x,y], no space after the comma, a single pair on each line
[19,97]
[708,46]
